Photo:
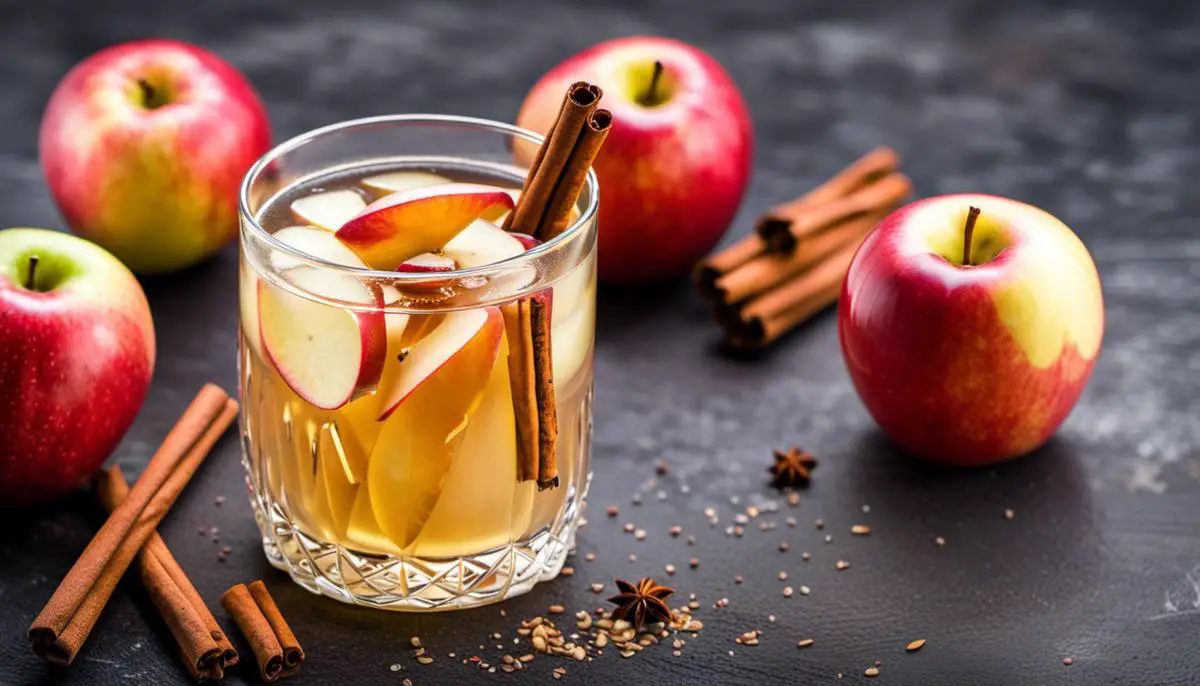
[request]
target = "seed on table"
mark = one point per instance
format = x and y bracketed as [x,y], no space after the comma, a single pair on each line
[637,499]
[820,523]
[675,531]
[613,511]
[567,571]
[669,569]
[1068,661]
[640,534]
[805,556]
[691,540]
[783,547]
[860,529]
[805,590]
[589,557]
[737,579]
[425,660]
[804,643]
[829,538]
[915,645]
[219,500]
[556,609]
[871,671]
[842,565]
[694,563]
[629,527]
[939,541]
[787,591]
[597,587]
[783,576]
[632,557]
[1008,513]
[661,468]
[415,641]
[793,499]
[866,509]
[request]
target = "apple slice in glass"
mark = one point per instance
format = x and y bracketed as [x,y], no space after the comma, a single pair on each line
[328,210]
[394,182]
[400,226]
[461,337]
[315,243]
[482,243]
[441,382]
[325,353]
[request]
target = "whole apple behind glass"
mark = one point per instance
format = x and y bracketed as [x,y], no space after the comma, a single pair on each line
[970,338]
[76,356]
[144,146]
[675,165]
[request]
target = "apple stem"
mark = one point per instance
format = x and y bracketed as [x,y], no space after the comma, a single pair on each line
[651,97]
[31,275]
[968,232]
[151,98]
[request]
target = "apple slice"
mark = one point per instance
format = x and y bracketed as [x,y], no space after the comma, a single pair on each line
[428,262]
[482,243]
[328,210]
[400,226]
[325,353]
[464,336]
[315,243]
[496,215]
[394,182]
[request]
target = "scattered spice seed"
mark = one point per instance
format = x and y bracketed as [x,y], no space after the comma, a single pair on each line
[819,523]
[751,511]
[669,569]
[629,527]
[1008,513]
[556,609]
[675,531]
[860,529]
[842,565]
[805,590]
[791,522]
[661,468]
[783,576]
[632,557]
[915,645]
[829,538]
[637,499]
[425,659]
[805,556]
[597,587]
[804,643]
[1068,661]
[613,511]
[415,641]
[203,531]
[866,509]
[871,671]
[783,546]
[939,541]
[793,499]
[787,591]
[589,557]
[737,579]
[691,540]
[694,562]
[568,571]
[640,534]
[219,500]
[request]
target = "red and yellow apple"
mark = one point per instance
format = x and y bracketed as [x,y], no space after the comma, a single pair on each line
[144,146]
[76,356]
[978,360]
[676,163]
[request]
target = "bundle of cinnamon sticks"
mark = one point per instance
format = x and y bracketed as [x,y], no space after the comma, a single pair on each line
[556,177]
[793,264]
[59,631]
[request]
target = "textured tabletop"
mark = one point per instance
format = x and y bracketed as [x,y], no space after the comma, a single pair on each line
[1091,112]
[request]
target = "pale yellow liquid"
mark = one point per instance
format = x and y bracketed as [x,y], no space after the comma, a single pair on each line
[437,478]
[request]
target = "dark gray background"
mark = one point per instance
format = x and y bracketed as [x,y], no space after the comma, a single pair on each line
[1089,110]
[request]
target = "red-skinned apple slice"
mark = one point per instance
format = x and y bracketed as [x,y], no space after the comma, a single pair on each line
[400,226]
[428,262]
[325,353]
[475,333]
[328,210]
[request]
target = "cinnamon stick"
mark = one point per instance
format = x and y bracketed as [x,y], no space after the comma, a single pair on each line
[777,226]
[883,194]
[714,266]
[68,617]
[203,645]
[552,164]
[271,639]
[523,383]
[543,361]
[761,321]
[551,191]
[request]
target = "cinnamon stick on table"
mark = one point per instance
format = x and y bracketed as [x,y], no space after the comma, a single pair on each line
[271,639]
[205,648]
[766,318]
[784,225]
[556,177]
[68,617]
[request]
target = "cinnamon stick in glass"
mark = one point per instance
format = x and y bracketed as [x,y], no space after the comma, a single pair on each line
[776,225]
[203,645]
[68,617]
[262,624]
[551,192]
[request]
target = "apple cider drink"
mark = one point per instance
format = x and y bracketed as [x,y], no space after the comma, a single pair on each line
[416,379]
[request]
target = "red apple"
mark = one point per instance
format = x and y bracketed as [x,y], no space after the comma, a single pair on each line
[974,361]
[675,165]
[76,355]
[144,146]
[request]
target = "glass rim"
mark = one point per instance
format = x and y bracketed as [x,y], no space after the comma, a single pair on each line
[585,217]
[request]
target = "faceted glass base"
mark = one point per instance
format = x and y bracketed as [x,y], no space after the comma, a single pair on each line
[415,584]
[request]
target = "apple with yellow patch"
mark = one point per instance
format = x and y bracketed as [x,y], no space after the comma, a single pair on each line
[970,325]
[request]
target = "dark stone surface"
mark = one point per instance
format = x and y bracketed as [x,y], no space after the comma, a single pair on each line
[1090,111]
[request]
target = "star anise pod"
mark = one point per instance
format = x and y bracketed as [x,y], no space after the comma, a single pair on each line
[792,467]
[643,603]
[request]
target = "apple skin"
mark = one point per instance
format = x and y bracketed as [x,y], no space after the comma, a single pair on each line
[75,362]
[970,365]
[671,176]
[156,186]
